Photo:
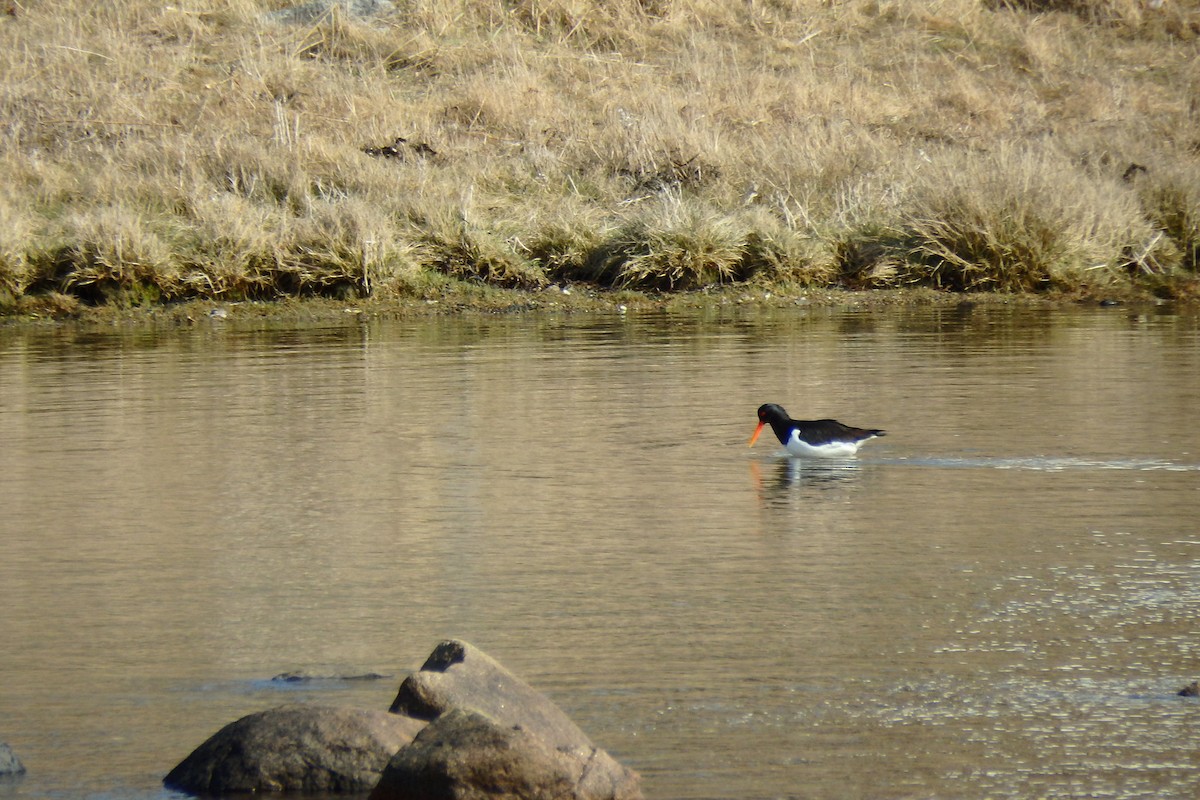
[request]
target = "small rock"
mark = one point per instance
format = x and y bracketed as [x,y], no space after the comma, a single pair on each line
[1191,690]
[305,677]
[9,763]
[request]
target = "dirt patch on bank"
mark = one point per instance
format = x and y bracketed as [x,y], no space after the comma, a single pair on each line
[554,299]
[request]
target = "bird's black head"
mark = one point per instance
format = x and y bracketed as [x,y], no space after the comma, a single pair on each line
[777,418]
[769,413]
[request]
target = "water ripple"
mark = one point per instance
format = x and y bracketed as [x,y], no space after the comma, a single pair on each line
[1047,463]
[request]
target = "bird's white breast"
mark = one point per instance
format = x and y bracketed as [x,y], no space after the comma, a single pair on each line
[798,447]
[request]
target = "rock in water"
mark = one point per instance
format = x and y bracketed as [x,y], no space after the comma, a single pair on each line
[308,748]
[465,754]
[9,763]
[308,677]
[478,709]
[459,675]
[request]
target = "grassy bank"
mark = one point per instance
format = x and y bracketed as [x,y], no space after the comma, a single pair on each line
[154,152]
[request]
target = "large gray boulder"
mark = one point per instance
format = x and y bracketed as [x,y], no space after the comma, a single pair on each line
[308,748]
[465,755]
[9,763]
[502,714]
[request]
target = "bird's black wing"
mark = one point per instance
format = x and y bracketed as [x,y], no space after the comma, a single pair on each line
[824,431]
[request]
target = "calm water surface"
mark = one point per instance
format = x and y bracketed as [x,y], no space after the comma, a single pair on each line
[997,600]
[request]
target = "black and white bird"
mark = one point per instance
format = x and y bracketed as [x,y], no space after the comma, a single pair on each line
[817,438]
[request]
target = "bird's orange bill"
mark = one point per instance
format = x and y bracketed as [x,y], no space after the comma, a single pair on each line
[757,431]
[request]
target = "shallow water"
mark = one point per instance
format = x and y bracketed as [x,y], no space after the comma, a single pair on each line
[996,600]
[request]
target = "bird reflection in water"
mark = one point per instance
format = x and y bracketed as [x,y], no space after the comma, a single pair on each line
[778,480]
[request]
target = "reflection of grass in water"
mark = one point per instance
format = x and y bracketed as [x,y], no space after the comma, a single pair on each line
[156,152]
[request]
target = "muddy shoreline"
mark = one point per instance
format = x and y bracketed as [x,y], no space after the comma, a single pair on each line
[559,300]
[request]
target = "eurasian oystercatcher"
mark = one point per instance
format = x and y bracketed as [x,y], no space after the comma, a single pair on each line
[822,438]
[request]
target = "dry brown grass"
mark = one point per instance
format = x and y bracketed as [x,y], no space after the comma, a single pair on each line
[216,149]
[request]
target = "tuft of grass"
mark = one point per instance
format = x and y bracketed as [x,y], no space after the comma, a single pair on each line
[457,247]
[564,239]
[16,231]
[1010,227]
[1171,198]
[778,251]
[673,244]
[109,255]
